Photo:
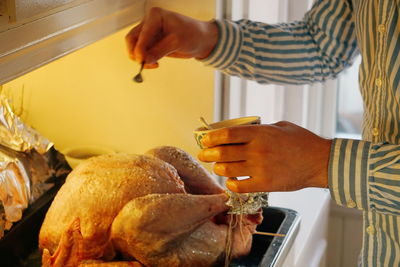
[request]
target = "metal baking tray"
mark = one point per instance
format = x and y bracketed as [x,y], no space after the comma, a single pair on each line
[20,243]
[268,251]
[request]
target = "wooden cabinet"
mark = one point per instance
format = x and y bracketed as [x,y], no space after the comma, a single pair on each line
[4,17]
[39,31]
[20,10]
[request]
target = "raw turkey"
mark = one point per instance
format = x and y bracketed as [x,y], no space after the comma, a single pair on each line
[158,209]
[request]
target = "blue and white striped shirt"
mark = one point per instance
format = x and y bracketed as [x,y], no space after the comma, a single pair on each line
[362,174]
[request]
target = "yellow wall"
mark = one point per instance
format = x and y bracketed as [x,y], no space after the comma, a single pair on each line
[88,98]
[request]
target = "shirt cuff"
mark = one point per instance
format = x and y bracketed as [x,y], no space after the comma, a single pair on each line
[228,47]
[348,172]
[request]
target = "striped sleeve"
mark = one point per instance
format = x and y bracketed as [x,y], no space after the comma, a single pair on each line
[314,49]
[365,176]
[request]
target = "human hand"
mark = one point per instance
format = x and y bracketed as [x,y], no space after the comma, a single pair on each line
[277,157]
[166,33]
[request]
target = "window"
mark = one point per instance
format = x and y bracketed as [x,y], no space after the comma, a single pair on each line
[350,104]
[331,109]
[311,106]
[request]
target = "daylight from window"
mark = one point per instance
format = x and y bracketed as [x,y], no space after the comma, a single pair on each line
[350,105]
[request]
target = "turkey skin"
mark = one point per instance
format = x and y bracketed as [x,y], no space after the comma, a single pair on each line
[159,209]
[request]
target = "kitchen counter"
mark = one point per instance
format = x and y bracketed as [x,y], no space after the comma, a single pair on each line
[309,247]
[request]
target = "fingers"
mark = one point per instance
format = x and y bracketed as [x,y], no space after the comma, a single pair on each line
[146,42]
[227,153]
[131,40]
[233,169]
[151,28]
[262,183]
[166,33]
[46,258]
[230,135]
[245,186]
[151,65]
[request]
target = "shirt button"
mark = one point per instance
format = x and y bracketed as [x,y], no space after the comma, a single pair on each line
[351,204]
[378,82]
[375,132]
[370,230]
[381,28]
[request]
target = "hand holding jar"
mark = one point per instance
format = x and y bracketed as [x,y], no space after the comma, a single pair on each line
[276,157]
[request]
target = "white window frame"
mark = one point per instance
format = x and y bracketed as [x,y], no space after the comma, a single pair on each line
[310,106]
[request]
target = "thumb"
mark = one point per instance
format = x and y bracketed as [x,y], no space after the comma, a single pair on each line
[46,258]
[248,185]
[164,47]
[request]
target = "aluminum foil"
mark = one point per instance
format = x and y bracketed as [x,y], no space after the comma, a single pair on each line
[28,162]
[246,203]
[14,134]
